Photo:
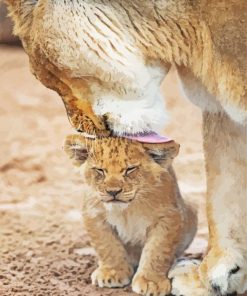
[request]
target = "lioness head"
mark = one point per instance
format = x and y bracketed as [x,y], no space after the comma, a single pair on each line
[120,169]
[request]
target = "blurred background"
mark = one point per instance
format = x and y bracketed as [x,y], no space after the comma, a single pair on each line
[44,250]
[6,35]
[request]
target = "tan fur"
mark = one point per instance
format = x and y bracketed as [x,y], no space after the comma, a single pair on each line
[105,53]
[149,223]
[180,32]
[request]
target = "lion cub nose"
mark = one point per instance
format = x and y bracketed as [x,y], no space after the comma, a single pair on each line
[114,192]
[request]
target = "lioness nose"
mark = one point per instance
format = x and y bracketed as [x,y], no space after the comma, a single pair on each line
[114,193]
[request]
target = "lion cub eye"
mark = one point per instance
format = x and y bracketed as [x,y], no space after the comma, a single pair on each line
[130,170]
[101,172]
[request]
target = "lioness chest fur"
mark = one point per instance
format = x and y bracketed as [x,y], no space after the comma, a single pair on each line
[133,211]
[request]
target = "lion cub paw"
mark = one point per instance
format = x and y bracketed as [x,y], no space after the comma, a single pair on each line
[157,286]
[112,277]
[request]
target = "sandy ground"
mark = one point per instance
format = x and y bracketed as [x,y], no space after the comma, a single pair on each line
[44,249]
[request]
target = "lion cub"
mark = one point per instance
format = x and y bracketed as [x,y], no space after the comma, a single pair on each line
[133,212]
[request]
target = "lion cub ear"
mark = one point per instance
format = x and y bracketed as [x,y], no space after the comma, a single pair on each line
[162,153]
[77,148]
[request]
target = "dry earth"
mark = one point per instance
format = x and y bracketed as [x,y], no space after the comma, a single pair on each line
[44,249]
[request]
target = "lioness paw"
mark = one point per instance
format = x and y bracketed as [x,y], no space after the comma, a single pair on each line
[228,275]
[185,278]
[216,275]
[157,286]
[112,277]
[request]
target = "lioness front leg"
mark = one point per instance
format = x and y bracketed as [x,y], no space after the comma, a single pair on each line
[157,256]
[223,271]
[114,269]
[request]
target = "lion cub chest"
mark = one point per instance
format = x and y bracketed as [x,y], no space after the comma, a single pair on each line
[130,226]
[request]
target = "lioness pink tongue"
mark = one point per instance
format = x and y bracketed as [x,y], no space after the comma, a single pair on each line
[151,138]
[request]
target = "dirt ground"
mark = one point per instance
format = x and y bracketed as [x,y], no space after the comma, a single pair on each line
[44,249]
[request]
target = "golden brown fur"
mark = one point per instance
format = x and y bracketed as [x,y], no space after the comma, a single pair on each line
[147,222]
[182,32]
[109,57]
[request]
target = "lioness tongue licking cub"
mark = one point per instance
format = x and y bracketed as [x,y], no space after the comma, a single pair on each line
[133,211]
[149,138]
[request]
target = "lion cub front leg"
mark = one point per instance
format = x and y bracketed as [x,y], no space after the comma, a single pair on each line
[157,256]
[114,269]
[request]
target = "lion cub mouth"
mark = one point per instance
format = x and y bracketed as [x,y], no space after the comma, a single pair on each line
[117,201]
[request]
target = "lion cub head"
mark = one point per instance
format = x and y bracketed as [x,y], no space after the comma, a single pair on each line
[120,169]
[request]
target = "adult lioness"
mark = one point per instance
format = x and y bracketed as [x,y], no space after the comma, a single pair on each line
[107,58]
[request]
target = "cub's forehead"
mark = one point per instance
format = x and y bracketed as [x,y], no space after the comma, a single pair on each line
[116,148]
